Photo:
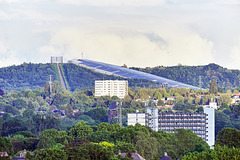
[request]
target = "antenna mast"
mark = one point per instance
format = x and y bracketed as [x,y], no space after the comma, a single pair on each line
[119,109]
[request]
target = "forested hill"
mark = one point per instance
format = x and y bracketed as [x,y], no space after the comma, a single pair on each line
[224,77]
[32,76]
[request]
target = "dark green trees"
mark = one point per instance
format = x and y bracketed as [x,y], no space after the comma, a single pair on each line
[80,130]
[213,88]
[229,137]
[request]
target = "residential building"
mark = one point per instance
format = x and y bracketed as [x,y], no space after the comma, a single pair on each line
[203,124]
[133,118]
[57,59]
[193,121]
[210,126]
[133,156]
[111,88]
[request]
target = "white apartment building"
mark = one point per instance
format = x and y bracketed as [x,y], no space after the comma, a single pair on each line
[111,88]
[133,118]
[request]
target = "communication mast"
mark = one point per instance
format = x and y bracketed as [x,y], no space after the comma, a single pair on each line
[151,115]
[119,110]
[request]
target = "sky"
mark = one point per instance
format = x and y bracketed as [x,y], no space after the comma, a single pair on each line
[140,33]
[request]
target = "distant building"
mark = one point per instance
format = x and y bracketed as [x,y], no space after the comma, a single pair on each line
[203,124]
[210,126]
[111,88]
[112,112]
[152,117]
[133,118]
[212,104]
[133,156]
[57,59]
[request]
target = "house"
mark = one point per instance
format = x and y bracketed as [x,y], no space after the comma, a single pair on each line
[1,114]
[165,157]
[133,156]
[3,154]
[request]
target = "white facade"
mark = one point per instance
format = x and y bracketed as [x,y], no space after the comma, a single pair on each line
[133,118]
[111,88]
[152,118]
[57,59]
[210,126]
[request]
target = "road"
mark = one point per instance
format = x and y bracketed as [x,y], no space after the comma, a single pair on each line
[61,78]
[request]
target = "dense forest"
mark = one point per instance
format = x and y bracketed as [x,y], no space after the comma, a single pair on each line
[194,75]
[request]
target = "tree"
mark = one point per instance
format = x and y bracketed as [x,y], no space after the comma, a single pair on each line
[229,137]
[146,145]
[80,130]
[6,145]
[213,88]
[123,147]
[219,152]
[69,111]
[98,113]
[188,141]
[49,154]
[224,99]
[221,121]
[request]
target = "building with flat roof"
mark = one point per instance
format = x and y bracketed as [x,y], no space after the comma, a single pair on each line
[57,59]
[111,88]
[133,118]
[203,124]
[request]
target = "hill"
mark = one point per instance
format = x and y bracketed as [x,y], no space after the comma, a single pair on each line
[224,77]
[32,76]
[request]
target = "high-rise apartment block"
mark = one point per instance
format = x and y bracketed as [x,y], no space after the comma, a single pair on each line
[117,88]
[193,121]
[133,118]
[203,124]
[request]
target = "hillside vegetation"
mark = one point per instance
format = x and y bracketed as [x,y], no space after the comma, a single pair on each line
[224,77]
[32,76]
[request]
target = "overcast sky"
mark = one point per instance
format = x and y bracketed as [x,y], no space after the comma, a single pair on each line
[134,32]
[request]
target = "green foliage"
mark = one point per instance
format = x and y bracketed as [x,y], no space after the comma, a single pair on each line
[69,111]
[80,130]
[6,145]
[222,121]
[189,141]
[123,147]
[49,154]
[213,87]
[219,153]
[98,113]
[224,77]
[229,137]
[91,151]
[24,76]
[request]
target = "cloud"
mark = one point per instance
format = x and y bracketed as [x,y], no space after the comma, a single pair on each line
[135,32]
[131,48]
[7,56]
[114,2]
[235,55]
